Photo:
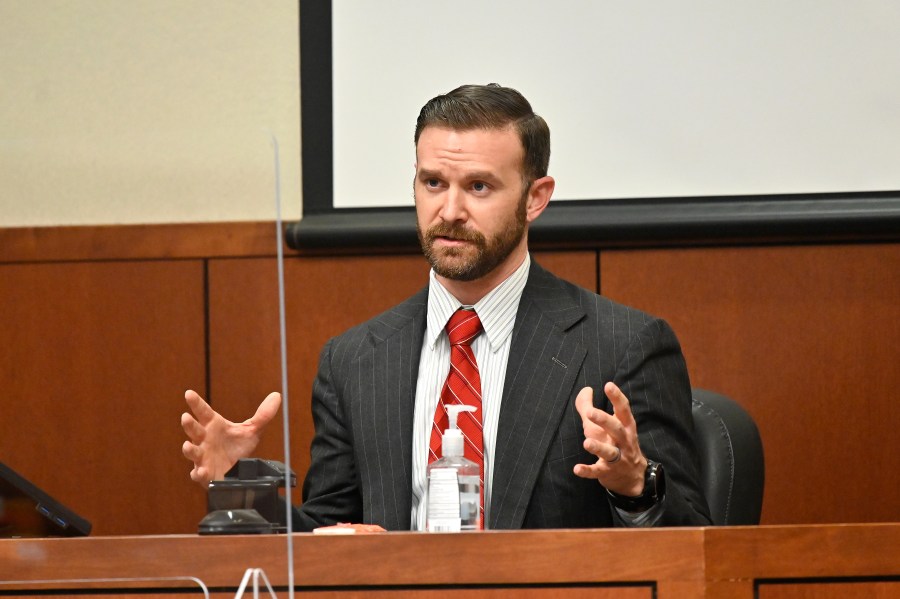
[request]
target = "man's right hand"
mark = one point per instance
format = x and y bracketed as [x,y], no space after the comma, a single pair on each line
[215,444]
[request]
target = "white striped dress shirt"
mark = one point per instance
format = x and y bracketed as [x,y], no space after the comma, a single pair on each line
[497,311]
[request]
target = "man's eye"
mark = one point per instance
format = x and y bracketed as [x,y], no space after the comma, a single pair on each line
[479,186]
[431,182]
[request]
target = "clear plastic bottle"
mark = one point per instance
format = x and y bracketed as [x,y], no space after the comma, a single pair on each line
[454,484]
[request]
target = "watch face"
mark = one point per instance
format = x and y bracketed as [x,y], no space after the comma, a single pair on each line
[656,479]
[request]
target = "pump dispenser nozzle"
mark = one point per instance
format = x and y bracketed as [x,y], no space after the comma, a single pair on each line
[452,439]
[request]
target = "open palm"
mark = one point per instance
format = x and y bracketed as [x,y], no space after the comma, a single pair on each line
[214,443]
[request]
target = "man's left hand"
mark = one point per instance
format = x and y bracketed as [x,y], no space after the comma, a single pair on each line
[613,439]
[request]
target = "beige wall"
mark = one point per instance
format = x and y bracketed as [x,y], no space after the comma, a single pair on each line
[156,111]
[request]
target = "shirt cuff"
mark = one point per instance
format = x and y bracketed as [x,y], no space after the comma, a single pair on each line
[642,519]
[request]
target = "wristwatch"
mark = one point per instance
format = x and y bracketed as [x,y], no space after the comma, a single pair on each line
[654,491]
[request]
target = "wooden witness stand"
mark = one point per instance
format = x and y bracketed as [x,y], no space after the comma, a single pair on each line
[844,560]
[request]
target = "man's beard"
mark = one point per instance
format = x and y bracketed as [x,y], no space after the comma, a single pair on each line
[461,264]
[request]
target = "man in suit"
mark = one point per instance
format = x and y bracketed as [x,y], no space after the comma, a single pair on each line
[555,455]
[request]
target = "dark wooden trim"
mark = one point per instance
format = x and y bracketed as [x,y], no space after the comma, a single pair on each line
[603,224]
[136,242]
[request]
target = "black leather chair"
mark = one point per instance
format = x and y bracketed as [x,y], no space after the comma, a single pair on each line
[732,467]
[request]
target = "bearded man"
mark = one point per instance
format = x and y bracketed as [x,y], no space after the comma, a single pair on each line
[553,455]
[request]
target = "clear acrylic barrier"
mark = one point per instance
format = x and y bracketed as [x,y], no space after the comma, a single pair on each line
[117,178]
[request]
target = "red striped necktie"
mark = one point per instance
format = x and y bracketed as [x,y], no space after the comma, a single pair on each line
[463,386]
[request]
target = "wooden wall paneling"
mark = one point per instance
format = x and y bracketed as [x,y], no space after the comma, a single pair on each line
[806,339]
[136,242]
[92,358]
[325,296]
[579,267]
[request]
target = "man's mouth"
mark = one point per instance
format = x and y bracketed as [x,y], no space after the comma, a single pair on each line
[451,240]
[449,237]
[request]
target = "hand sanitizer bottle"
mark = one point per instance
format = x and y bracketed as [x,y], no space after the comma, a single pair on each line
[454,483]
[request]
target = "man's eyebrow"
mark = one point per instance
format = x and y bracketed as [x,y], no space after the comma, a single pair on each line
[487,176]
[425,173]
[482,176]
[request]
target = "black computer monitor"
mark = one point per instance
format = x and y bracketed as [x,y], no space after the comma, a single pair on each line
[27,511]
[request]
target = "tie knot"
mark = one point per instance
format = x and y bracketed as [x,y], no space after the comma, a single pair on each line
[463,327]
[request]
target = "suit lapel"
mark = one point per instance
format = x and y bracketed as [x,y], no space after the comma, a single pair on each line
[545,358]
[385,404]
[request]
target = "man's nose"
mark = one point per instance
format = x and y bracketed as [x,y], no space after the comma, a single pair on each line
[453,208]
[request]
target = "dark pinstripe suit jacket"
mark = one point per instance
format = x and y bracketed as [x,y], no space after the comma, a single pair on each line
[565,338]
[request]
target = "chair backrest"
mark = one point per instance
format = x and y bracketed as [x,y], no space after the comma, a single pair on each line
[732,467]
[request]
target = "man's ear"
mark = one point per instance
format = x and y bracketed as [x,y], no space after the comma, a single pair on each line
[539,197]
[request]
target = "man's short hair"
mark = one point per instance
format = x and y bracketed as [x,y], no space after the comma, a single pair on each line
[492,107]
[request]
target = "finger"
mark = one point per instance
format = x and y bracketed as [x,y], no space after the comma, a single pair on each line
[266,410]
[580,470]
[584,403]
[606,428]
[596,471]
[608,452]
[192,428]
[598,424]
[200,475]
[620,403]
[192,452]
[613,429]
[202,411]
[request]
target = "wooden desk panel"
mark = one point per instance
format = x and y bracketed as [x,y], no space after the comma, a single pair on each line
[810,551]
[830,590]
[547,592]
[797,562]
[608,563]
[777,562]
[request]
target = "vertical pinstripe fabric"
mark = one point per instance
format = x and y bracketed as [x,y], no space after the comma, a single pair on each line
[497,311]
[378,385]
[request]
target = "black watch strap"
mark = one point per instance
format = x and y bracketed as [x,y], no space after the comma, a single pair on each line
[654,491]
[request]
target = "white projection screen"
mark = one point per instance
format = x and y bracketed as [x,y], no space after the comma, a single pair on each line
[677,99]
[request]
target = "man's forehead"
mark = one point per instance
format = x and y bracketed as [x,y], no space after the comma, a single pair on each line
[468,136]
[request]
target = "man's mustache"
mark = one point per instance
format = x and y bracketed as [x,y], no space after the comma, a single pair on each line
[453,231]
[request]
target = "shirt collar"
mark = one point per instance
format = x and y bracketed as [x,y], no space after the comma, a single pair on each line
[497,310]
